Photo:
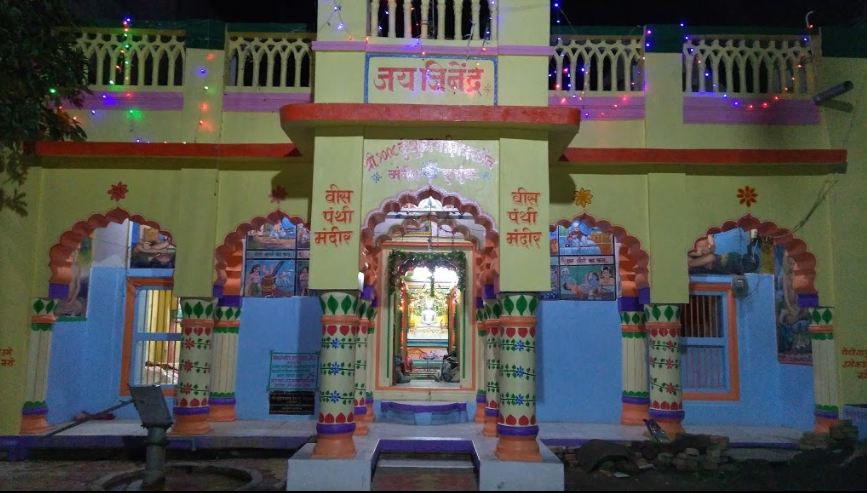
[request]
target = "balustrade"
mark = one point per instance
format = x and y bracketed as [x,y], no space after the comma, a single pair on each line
[603,64]
[433,19]
[143,58]
[748,65]
[269,60]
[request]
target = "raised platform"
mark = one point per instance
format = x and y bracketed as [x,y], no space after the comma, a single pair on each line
[423,412]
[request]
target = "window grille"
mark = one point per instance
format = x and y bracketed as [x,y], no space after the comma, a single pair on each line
[156,341]
[704,358]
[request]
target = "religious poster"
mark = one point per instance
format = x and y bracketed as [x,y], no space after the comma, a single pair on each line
[793,321]
[735,251]
[583,264]
[292,383]
[411,79]
[150,249]
[74,306]
[275,264]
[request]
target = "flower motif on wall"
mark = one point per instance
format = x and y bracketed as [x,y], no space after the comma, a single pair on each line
[747,196]
[583,197]
[278,194]
[118,192]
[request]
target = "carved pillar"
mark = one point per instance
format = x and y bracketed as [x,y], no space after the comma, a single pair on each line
[38,354]
[360,389]
[492,389]
[824,367]
[194,375]
[636,397]
[227,325]
[372,312]
[516,425]
[337,370]
[481,394]
[666,393]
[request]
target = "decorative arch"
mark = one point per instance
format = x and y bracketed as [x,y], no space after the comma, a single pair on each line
[633,261]
[395,204]
[486,260]
[229,257]
[60,255]
[804,262]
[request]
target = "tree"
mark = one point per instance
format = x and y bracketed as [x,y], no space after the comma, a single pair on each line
[43,70]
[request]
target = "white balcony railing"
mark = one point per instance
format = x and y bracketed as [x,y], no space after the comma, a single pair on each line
[434,19]
[601,64]
[748,65]
[269,60]
[145,58]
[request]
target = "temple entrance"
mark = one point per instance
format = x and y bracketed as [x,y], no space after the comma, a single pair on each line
[427,255]
[428,336]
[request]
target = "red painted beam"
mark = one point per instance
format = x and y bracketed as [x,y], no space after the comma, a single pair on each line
[704,156]
[428,114]
[129,149]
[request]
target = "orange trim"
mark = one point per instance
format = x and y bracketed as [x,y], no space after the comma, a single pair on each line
[33,424]
[524,449]
[634,414]
[132,285]
[734,392]
[820,329]
[195,424]
[631,328]
[703,157]
[334,447]
[131,149]
[305,115]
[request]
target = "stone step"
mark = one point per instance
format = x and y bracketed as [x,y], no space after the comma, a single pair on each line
[425,464]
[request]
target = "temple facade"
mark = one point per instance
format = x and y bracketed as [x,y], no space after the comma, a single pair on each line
[454,203]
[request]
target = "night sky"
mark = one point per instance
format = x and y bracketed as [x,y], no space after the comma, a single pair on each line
[574,12]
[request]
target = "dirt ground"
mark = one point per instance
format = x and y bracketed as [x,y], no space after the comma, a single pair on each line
[839,469]
[807,471]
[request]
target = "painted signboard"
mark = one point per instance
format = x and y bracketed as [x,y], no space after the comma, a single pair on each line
[582,263]
[468,168]
[292,383]
[276,260]
[445,80]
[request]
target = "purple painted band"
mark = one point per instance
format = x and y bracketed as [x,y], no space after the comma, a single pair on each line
[480,303]
[666,415]
[714,108]
[644,296]
[368,399]
[375,303]
[192,411]
[232,301]
[517,431]
[424,408]
[602,107]
[481,398]
[222,401]
[629,304]
[262,102]
[635,400]
[58,291]
[335,429]
[113,100]
[367,293]
[490,294]
[492,411]
[805,300]
[525,50]
[360,410]
[826,414]
[34,411]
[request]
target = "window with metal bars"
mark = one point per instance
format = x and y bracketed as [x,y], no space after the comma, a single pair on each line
[153,333]
[708,344]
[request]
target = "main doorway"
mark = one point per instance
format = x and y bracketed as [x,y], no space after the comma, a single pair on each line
[427,255]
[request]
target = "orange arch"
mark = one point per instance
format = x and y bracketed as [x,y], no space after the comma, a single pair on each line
[60,255]
[229,257]
[804,261]
[487,266]
[633,260]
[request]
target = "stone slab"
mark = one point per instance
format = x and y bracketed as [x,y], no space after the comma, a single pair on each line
[308,474]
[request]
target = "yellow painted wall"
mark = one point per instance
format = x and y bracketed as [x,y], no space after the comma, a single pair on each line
[846,121]
[523,164]
[17,263]
[337,162]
